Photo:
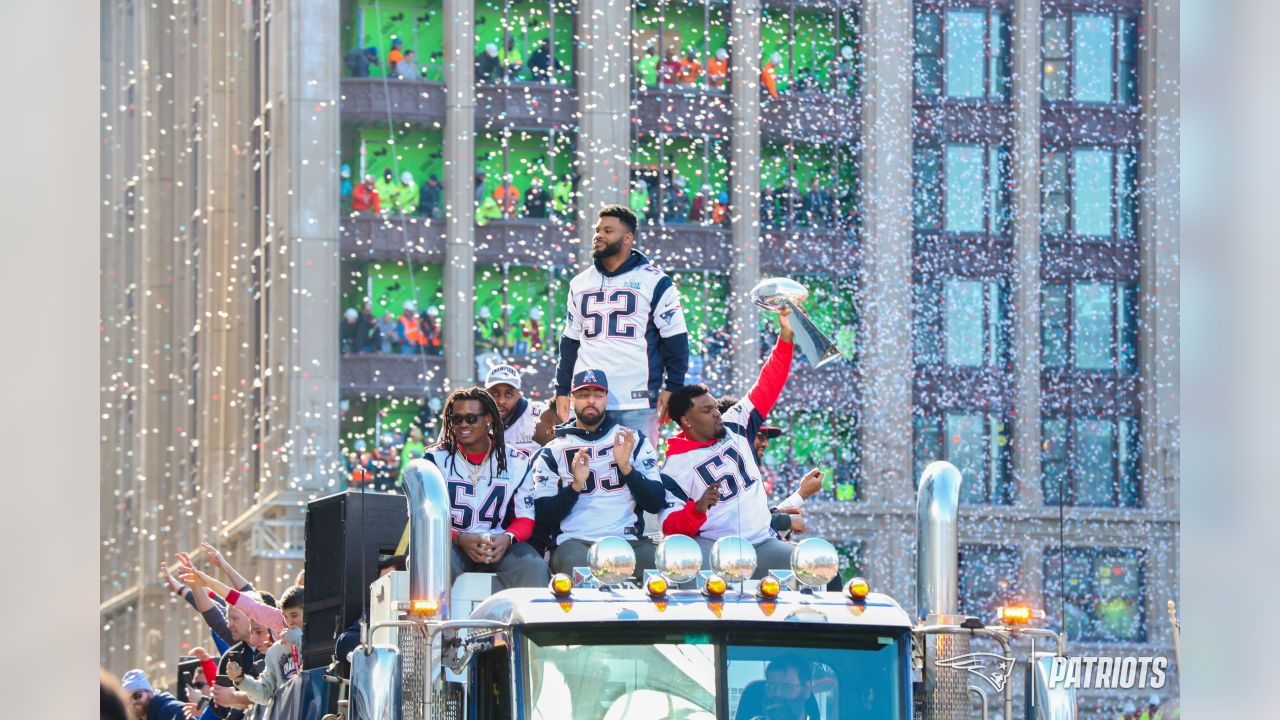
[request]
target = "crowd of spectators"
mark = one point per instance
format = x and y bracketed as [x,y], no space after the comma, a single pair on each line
[416,332]
[689,71]
[817,207]
[671,203]
[256,640]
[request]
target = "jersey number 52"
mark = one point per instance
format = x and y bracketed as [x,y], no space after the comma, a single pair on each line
[612,312]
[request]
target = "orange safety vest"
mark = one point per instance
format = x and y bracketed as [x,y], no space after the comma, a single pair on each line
[411,332]
[512,194]
[717,71]
[689,70]
[719,213]
[769,78]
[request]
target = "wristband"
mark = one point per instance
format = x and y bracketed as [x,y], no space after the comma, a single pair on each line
[512,536]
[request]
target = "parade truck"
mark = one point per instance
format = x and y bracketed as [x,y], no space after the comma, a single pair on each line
[691,642]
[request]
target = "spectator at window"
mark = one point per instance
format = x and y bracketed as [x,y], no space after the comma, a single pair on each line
[817,205]
[359,464]
[411,450]
[488,329]
[769,75]
[532,331]
[406,194]
[508,197]
[388,189]
[489,210]
[349,332]
[698,210]
[369,338]
[386,463]
[409,334]
[720,213]
[395,56]
[407,68]
[511,59]
[769,206]
[543,67]
[388,333]
[480,183]
[806,80]
[677,209]
[364,197]
[690,70]
[536,200]
[487,64]
[429,331]
[669,70]
[846,71]
[358,61]
[646,68]
[429,198]
[718,70]
[639,200]
[562,198]
[344,184]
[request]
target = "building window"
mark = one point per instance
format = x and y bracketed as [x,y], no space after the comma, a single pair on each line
[988,580]
[520,41]
[808,185]
[1090,461]
[1090,326]
[966,187]
[510,164]
[976,443]
[810,442]
[1090,192]
[963,53]
[680,46]
[805,49]
[962,322]
[1103,590]
[1090,58]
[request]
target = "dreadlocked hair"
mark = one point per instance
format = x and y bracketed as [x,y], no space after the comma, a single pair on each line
[490,407]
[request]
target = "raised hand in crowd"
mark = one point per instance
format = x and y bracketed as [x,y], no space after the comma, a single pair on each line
[624,443]
[171,580]
[219,561]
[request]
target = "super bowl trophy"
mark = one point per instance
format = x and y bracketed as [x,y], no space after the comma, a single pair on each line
[775,294]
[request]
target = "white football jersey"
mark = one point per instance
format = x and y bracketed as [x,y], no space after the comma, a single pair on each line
[618,319]
[607,506]
[743,509]
[480,504]
[519,433]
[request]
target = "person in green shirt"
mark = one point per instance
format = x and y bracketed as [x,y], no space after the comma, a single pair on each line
[387,189]
[406,197]
[562,197]
[488,210]
[647,69]
[413,448]
[640,199]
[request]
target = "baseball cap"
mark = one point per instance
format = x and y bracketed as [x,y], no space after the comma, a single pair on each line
[590,378]
[502,375]
[770,431]
[135,680]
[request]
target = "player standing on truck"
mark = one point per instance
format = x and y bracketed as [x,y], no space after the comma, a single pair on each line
[624,318]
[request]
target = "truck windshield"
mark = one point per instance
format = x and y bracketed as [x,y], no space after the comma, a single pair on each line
[713,673]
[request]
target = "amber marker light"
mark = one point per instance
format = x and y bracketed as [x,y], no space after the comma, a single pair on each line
[1010,615]
[769,587]
[425,608]
[561,585]
[657,586]
[716,586]
[857,589]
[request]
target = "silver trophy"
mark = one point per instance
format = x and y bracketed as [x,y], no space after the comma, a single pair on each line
[777,293]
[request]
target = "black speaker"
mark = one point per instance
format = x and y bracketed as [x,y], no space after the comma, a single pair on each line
[346,535]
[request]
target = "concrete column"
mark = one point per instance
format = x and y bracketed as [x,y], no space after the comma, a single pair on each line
[1025,340]
[459,195]
[744,169]
[885,318]
[602,71]
[1159,337]
[300,331]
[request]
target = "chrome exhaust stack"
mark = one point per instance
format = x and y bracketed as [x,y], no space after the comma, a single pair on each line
[430,541]
[946,689]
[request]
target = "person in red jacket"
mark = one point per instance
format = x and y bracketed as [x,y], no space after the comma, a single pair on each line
[364,197]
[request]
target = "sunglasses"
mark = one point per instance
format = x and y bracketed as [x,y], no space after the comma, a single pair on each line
[137,694]
[199,685]
[468,419]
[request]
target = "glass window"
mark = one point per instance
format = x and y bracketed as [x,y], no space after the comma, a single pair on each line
[1000,59]
[1094,323]
[1054,318]
[927,179]
[1091,196]
[999,164]
[928,53]
[1127,334]
[927,443]
[1053,180]
[1128,75]
[965,188]
[1127,192]
[1094,460]
[1103,590]
[1093,58]
[1056,53]
[966,53]
[966,450]
[976,443]
[963,322]
[925,322]
[988,579]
